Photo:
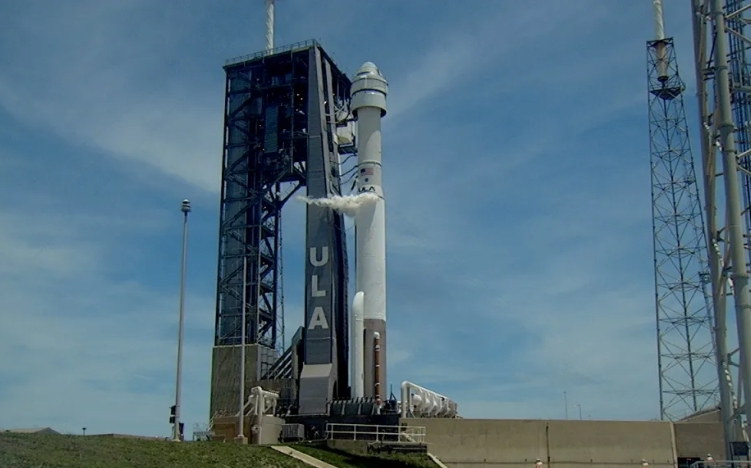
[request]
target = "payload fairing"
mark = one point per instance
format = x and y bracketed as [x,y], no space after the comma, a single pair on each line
[369,90]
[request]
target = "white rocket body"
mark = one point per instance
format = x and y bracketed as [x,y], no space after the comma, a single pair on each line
[369,90]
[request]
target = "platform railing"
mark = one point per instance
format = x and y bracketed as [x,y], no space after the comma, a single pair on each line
[286,48]
[721,464]
[375,432]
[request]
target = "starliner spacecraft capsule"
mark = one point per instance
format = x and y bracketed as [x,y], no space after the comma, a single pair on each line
[369,90]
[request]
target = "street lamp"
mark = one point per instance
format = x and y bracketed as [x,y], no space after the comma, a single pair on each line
[241,422]
[176,436]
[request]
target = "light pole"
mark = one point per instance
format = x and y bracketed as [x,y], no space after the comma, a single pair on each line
[240,423]
[176,436]
[565,403]
[580,411]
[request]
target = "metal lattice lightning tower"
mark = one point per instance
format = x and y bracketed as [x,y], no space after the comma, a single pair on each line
[723,84]
[686,355]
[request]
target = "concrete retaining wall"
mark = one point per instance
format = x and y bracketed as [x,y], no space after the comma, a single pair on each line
[603,443]
[696,439]
[480,443]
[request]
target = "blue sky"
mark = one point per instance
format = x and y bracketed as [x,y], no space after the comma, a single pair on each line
[516,173]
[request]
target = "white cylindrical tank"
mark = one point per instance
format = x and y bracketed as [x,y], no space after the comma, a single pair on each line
[369,90]
[370,220]
[357,341]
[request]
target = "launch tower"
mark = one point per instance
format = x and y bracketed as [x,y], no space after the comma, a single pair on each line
[685,346]
[282,107]
[723,86]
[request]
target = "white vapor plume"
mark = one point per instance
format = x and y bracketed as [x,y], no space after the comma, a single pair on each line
[347,204]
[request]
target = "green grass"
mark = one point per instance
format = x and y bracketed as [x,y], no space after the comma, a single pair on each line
[66,451]
[342,459]
[61,451]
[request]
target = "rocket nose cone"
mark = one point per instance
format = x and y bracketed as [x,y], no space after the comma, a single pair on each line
[369,68]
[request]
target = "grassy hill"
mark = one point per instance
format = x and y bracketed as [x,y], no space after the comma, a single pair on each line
[61,451]
[68,451]
[342,459]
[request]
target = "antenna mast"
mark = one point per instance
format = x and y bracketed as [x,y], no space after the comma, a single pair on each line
[659,22]
[270,25]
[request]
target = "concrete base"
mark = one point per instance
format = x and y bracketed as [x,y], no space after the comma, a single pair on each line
[265,433]
[242,440]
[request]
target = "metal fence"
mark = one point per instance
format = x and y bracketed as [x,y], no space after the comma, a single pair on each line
[721,464]
[374,432]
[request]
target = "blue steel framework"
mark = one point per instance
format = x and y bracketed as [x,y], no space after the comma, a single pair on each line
[686,353]
[270,108]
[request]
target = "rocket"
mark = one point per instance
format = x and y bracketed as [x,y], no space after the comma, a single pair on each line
[369,90]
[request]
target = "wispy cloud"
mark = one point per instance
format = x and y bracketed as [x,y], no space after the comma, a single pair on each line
[113,79]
